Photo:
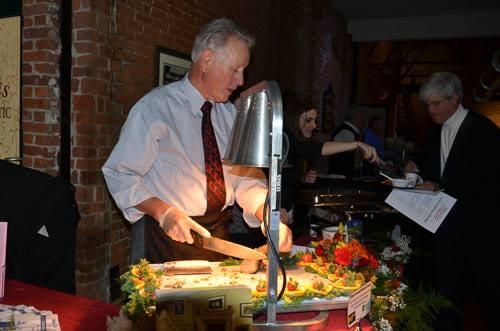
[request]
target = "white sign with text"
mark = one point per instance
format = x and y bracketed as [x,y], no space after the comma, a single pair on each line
[359,304]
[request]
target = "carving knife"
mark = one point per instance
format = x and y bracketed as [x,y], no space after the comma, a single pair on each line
[228,248]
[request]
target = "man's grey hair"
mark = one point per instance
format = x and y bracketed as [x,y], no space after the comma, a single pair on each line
[444,84]
[215,34]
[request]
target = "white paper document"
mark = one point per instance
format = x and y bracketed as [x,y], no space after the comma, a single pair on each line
[425,208]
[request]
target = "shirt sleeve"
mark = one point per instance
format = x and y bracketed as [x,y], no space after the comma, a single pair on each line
[250,189]
[129,161]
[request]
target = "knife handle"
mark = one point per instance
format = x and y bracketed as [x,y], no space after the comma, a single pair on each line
[198,239]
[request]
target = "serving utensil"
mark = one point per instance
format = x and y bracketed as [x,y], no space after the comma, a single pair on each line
[228,248]
[386,176]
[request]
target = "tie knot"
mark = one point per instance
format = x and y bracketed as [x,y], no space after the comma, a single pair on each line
[207,106]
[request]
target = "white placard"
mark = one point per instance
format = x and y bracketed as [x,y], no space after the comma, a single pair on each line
[359,304]
[428,209]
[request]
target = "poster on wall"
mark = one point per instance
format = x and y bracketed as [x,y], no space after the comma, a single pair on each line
[10,78]
[171,65]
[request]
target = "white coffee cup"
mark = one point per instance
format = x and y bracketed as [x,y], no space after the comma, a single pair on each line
[412,179]
[329,232]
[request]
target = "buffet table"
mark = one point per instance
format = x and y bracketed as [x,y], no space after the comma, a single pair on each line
[75,313]
[79,313]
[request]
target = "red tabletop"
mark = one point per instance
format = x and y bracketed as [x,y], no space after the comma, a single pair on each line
[82,314]
[75,313]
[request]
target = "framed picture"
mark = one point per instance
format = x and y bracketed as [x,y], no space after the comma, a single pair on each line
[216,303]
[246,309]
[171,65]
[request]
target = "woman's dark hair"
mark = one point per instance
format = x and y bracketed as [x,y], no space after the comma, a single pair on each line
[293,108]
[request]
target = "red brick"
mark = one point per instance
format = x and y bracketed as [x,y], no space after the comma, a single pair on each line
[40,56]
[27,91]
[38,32]
[27,45]
[86,48]
[51,140]
[39,116]
[40,20]
[27,22]
[50,44]
[85,19]
[94,86]
[85,71]
[46,68]
[35,80]
[83,152]
[38,9]
[43,91]
[83,103]
[35,103]
[87,35]
[92,60]
[86,128]
[28,138]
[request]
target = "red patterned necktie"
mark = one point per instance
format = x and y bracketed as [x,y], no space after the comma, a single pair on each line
[216,189]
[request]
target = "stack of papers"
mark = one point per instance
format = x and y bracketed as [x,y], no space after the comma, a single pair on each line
[27,318]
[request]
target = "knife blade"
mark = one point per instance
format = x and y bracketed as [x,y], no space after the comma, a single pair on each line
[229,248]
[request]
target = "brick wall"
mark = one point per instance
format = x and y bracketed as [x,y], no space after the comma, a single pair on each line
[300,44]
[92,123]
[41,50]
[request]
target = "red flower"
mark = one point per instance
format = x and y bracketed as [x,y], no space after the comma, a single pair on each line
[319,250]
[343,256]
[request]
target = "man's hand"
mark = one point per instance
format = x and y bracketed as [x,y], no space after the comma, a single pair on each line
[310,176]
[178,226]
[285,234]
[369,153]
[286,238]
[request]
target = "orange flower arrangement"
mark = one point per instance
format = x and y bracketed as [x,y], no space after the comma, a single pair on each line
[354,254]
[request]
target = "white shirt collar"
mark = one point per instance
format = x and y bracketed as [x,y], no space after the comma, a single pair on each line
[194,97]
[456,119]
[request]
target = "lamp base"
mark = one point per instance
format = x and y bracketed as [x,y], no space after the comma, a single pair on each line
[316,323]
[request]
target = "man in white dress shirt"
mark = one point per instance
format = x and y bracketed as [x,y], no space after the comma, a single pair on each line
[156,172]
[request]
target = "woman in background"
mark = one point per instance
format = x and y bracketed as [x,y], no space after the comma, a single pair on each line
[300,122]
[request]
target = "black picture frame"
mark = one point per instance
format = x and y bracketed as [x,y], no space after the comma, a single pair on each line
[171,65]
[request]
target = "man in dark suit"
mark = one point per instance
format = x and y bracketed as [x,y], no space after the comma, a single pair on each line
[463,159]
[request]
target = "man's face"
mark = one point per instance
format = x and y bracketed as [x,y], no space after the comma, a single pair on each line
[224,69]
[441,108]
